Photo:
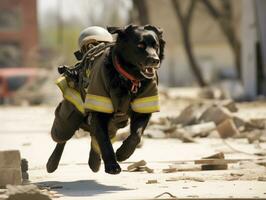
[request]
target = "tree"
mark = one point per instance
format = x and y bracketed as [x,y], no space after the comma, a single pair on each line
[224,18]
[185,20]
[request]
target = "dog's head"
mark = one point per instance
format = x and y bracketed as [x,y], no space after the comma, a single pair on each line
[140,48]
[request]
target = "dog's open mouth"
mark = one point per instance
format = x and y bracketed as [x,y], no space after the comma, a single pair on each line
[148,72]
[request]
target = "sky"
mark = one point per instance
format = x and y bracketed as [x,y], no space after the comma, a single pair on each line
[81,9]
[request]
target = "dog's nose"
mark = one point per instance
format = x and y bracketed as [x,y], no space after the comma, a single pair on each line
[153,61]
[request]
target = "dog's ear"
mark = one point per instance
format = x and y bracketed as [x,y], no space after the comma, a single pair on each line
[159,32]
[114,29]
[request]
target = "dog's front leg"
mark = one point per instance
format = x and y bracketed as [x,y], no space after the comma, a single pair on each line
[99,128]
[138,124]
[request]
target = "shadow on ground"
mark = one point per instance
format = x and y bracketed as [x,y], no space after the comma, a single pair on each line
[79,188]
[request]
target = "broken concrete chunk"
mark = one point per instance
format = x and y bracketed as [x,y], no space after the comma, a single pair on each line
[152,181]
[262,178]
[188,116]
[25,176]
[227,129]
[259,123]
[230,105]
[183,135]
[213,162]
[185,178]
[26,192]
[200,128]
[254,135]
[10,176]
[240,123]
[135,165]
[10,159]
[217,114]
[149,170]
[219,155]
[24,165]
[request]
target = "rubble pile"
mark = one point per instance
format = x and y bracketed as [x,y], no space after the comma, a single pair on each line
[215,119]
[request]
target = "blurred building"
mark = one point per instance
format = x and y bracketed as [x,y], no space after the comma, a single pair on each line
[18,33]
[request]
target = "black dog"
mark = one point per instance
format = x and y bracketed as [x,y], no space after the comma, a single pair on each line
[131,66]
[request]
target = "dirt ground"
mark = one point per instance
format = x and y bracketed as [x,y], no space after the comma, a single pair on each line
[27,129]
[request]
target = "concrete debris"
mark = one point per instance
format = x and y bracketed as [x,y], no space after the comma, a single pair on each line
[216,114]
[240,123]
[136,165]
[26,192]
[24,165]
[200,128]
[183,135]
[181,168]
[262,178]
[230,105]
[139,166]
[219,155]
[216,119]
[254,136]
[186,178]
[188,116]
[227,129]
[213,162]
[212,93]
[154,181]
[10,169]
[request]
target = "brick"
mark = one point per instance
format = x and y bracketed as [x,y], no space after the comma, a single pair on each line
[10,176]
[10,159]
[227,129]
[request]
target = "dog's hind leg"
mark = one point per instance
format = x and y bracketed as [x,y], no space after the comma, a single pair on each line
[55,157]
[138,124]
[67,120]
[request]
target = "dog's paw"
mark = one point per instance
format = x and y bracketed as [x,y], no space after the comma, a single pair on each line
[112,168]
[94,161]
[123,153]
[127,149]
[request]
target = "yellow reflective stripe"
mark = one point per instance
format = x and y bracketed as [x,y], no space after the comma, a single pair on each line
[99,103]
[99,98]
[146,104]
[146,99]
[70,94]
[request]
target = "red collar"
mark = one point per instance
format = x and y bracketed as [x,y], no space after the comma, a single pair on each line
[135,82]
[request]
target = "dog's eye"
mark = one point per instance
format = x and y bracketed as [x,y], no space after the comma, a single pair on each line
[141,45]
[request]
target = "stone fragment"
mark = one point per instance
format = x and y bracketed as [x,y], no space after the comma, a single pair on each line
[154,181]
[230,105]
[10,159]
[26,192]
[135,165]
[217,114]
[10,176]
[227,129]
